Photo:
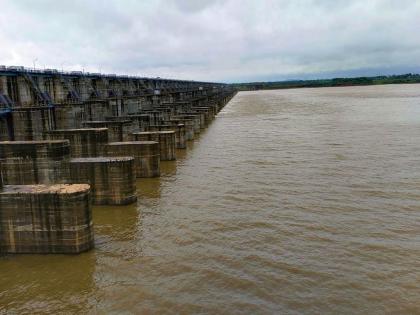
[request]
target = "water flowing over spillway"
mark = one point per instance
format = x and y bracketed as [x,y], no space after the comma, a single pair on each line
[303,201]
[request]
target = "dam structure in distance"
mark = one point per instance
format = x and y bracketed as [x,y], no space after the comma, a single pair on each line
[70,140]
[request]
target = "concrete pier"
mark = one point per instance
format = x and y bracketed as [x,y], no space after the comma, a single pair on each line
[208,113]
[1,177]
[146,155]
[141,121]
[166,139]
[201,117]
[45,219]
[196,118]
[30,123]
[180,133]
[112,179]
[134,120]
[70,116]
[35,162]
[85,142]
[155,116]
[43,112]
[189,126]
[118,130]
[180,136]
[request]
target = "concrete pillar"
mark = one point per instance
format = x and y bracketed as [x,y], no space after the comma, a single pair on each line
[189,127]
[87,142]
[180,136]
[45,219]
[35,162]
[24,91]
[196,120]
[1,177]
[69,116]
[112,179]
[140,122]
[207,110]
[97,110]
[5,128]
[146,155]
[59,94]
[166,141]
[3,85]
[180,141]
[200,116]
[31,123]
[117,130]
[155,117]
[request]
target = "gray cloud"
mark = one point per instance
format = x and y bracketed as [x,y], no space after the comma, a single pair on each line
[230,40]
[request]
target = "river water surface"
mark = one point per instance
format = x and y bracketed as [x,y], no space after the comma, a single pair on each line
[303,201]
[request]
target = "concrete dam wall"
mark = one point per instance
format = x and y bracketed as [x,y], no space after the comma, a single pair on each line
[72,140]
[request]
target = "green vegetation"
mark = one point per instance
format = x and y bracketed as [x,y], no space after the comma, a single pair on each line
[393,79]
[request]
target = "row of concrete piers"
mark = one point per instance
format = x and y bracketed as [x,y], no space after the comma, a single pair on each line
[69,141]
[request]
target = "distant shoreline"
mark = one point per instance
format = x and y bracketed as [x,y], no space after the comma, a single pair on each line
[336,82]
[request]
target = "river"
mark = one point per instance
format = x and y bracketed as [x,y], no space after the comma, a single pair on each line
[301,201]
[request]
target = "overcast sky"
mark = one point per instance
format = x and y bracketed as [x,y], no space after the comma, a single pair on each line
[229,41]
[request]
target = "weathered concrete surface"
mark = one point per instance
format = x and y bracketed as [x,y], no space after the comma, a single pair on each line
[208,113]
[146,155]
[189,126]
[155,117]
[205,116]
[6,127]
[31,123]
[166,139]
[196,118]
[97,110]
[85,142]
[1,177]
[139,121]
[117,130]
[35,162]
[194,114]
[70,116]
[180,138]
[112,179]
[142,120]
[45,219]
[39,105]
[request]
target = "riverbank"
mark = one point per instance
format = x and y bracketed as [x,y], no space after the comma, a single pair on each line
[335,82]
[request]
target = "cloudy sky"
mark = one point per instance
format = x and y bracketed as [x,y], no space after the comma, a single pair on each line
[229,41]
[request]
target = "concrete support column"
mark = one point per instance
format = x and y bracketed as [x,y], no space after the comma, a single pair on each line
[146,155]
[25,96]
[46,219]
[87,142]
[166,139]
[3,85]
[112,180]
[35,162]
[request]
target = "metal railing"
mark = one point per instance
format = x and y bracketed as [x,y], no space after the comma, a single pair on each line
[55,72]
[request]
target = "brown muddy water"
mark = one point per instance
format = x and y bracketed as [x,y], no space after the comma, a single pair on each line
[301,201]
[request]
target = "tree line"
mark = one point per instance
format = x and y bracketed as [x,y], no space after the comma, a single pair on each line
[392,79]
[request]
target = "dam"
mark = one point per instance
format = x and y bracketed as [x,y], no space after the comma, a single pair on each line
[299,201]
[70,140]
